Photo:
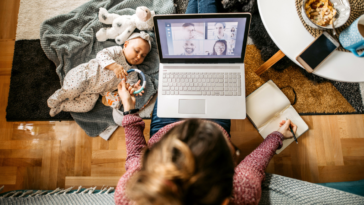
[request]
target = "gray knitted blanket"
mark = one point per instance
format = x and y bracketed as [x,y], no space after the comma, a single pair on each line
[276,189]
[69,40]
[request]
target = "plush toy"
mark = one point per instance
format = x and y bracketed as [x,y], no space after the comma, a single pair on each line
[123,26]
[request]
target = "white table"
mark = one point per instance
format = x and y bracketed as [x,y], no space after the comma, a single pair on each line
[281,20]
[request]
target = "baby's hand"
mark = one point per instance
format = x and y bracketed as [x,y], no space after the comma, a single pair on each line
[135,87]
[120,72]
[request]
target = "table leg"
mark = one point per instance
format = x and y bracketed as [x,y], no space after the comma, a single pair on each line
[269,63]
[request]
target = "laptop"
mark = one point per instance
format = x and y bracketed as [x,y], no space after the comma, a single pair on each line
[201,72]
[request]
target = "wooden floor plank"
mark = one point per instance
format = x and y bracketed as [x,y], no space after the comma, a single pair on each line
[8,175]
[351,127]
[318,132]
[303,155]
[53,171]
[26,154]
[104,145]
[283,166]
[34,130]
[6,56]
[341,173]
[21,144]
[86,155]
[353,147]
[91,181]
[66,161]
[109,154]
[354,160]
[28,178]
[6,128]
[308,155]
[8,18]
[21,162]
[79,143]
[46,164]
[107,167]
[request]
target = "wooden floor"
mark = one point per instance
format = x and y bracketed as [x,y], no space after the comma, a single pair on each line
[47,155]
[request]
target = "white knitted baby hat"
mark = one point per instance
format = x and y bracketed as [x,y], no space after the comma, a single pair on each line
[142,35]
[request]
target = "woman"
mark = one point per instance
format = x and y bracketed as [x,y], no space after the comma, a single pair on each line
[190,162]
[219,48]
[193,161]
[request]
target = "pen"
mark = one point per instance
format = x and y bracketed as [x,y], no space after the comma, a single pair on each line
[294,136]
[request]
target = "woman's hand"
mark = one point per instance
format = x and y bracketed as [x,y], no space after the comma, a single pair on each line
[136,86]
[284,129]
[126,98]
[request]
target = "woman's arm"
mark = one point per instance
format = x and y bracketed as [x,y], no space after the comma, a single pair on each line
[135,142]
[249,174]
[134,137]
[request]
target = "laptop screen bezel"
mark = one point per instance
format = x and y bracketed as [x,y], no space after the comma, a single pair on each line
[196,16]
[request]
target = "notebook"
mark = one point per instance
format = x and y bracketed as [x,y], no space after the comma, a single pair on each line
[267,107]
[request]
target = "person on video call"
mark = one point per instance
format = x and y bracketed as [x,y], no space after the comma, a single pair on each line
[231,46]
[219,48]
[189,47]
[190,32]
[220,31]
[233,32]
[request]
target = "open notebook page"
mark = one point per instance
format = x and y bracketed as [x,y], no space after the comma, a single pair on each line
[273,125]
[265,102]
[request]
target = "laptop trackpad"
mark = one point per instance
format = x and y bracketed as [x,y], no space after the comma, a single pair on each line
[191,106]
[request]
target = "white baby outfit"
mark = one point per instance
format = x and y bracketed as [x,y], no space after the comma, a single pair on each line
[84,83]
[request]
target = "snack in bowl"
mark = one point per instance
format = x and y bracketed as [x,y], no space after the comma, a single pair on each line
[320,12]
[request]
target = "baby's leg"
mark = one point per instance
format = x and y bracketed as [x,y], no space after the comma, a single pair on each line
[74,84]
[83,103]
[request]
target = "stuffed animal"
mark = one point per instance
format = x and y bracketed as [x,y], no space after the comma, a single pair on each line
[123,26]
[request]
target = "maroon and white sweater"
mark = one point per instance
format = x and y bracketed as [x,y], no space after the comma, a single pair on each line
[248,176]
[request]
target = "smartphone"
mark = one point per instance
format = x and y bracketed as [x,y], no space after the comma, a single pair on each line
[317,52]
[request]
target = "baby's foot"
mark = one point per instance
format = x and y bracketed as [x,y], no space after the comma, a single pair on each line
[54,111]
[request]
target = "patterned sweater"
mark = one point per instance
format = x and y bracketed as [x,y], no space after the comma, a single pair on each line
[248,176]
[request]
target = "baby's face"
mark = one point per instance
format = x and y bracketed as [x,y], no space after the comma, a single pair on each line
[136,50]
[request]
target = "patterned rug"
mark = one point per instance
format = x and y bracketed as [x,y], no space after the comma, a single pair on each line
[35,72]
[276,189]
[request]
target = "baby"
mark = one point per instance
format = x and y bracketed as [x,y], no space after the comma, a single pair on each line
[84,83]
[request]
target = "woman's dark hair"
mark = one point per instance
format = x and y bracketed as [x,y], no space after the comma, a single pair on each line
[191,164]
[213,48]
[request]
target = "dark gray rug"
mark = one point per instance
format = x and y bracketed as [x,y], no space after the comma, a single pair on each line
[33,80]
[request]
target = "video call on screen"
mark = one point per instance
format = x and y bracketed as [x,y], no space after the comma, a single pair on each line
[202,38]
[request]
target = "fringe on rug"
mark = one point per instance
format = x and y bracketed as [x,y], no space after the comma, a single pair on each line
[58,191]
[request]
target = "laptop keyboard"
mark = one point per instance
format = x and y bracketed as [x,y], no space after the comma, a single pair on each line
[213,84]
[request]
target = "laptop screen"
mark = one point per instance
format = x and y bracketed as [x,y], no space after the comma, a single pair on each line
[203,37]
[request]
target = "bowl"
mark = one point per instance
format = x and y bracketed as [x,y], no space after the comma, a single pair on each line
[342,6]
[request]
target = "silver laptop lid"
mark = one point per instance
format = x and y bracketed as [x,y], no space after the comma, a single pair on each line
[202,38]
